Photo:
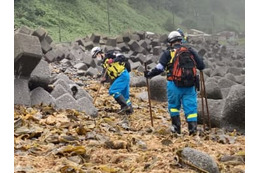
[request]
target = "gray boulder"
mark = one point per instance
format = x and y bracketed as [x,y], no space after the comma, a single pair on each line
[66,101]
[92,71]
[225,92]
[40,76]
[39,96]
[234,110]
[51,56]
[220,71]
[213,91]
[200,159]
[64,84]
[225,83]
[236,71]
[64,77]
[81,66]
[86,105]
[215,112]
[27,54]
[230,77]
[95,38]
[139,81]
[78,92]
[21,92]
[24,30]
[58,91]
[40,33]
[158,88]
[240,79]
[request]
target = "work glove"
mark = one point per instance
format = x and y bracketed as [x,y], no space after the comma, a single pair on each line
[147,74]
[109,61]
[152,73]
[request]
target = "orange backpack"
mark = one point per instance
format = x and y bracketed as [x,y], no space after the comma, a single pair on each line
[182,68]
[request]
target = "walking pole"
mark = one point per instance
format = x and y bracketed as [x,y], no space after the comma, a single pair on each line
[204,95]
[206,99]
[202,101]
[149,95]
[99,88]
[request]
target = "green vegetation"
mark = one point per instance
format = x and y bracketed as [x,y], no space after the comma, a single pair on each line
[78,18]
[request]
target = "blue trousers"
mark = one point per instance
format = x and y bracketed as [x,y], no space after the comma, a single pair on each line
[185,96]
[121,86]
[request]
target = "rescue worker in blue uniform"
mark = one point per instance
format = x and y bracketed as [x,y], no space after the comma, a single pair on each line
[117,70]
[184,38]
[178,95]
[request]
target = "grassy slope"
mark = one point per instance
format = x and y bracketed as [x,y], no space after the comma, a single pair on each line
[83,17]
[79,18]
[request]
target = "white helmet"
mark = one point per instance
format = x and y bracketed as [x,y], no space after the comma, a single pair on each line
[95,51]
[174,36]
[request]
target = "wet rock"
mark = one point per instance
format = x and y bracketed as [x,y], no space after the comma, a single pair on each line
[66,101]
[87,106]
[39,95]
[158,88]
[213,91]
[225,83]
[215,112]
[234,110]
[21,92]
[40,76]
[27,54]
[200,159]
[138,81]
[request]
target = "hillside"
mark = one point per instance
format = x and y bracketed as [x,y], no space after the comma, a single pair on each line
[78,18]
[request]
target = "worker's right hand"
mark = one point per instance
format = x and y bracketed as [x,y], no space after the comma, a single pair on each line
[147,74]
[103,80]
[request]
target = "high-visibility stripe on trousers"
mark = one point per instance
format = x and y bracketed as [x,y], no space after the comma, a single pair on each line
[182,95]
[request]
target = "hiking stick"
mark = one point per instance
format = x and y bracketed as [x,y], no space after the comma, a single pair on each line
[99,88]
[206,99]
[202,101]
[204,95]
[149,95]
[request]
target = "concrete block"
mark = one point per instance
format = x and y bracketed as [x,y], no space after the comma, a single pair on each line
[40,33]
[66,101]
[41,76]
[21,92]
[27,54]
[41,96]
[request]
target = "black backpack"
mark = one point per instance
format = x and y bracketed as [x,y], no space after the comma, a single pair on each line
[112,54]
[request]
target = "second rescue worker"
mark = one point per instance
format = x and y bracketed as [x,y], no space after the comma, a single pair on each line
[117,69]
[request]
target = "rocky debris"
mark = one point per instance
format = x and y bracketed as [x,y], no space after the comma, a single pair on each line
[200,159]
[40,76]
[41,96]
[35,82]
[215,112]
[138,81]
[21,92]
[234,109]
[224,65]
[27,54]
[158,88]
[213,91]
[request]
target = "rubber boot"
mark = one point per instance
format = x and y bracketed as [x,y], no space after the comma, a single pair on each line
[130,111]
[192,126]
[124,107]
[176,124]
